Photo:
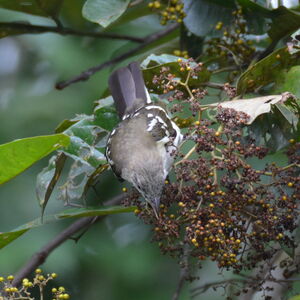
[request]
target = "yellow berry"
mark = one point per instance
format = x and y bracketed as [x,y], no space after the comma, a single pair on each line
[291,141]
[66,296]
[156,4]
[10,277]
[1,278]
[181,204]
[150,5]
[61,289]
[137,211]
[290,184]
[38,271]
[279,236]
[197,123]
[53,275]
[124,189]
[54,290]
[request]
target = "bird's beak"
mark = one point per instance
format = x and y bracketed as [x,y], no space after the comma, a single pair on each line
[155,206]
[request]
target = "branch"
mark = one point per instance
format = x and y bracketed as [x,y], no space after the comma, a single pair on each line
[40,257]
[183,272]
[91,71]
[24,28]
[221,283]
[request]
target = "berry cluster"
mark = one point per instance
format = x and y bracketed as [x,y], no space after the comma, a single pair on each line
[233,43]
[169,10]
[180,53]
[10,292]
[218,205]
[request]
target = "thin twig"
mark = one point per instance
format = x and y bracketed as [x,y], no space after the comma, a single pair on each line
[40,257]
[85,75]
[183,272]
[24,28]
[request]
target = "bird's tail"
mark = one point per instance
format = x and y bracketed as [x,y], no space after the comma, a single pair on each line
[128,89]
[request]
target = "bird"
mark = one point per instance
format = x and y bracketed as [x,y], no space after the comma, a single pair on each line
[141,148]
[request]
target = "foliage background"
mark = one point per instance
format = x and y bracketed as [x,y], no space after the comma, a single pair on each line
[114,259]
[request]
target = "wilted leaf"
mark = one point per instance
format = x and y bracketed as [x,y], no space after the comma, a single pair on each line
[88,139]
[104,12]
[8,237]
[47,179]
[254,107]
[267,72]
[84,137]
[17,156]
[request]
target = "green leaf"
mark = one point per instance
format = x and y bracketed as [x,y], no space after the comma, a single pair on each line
[284,23]
[105,113]
[290,251]
[8,237]
[275,129]
[104,12]
[267,72]
[289,81]
[297,297]
[35,7]
[134,12]
[64,125]
[203,15]
[17,156]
